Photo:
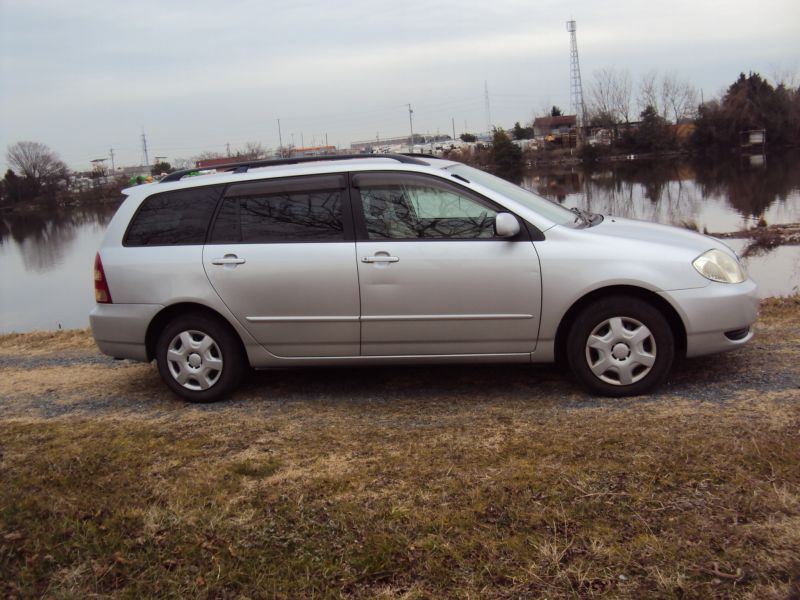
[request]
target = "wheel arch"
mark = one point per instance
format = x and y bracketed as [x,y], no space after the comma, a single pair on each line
[168,313]
[673,318]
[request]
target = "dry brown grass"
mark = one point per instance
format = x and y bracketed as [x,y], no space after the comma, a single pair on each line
[296,492]
[46,342]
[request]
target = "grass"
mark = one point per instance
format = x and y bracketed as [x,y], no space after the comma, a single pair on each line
[474,497]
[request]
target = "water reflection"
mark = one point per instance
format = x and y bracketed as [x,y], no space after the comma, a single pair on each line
[717,197]
[46,256]
[44,238]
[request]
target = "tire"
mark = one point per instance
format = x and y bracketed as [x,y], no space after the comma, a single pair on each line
[200,358]
[620,346]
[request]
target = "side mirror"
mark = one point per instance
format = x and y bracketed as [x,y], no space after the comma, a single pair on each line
[506,225]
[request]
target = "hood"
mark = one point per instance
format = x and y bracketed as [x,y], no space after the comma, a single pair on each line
[655,233]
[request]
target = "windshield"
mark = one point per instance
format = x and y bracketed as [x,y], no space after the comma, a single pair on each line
[550,210]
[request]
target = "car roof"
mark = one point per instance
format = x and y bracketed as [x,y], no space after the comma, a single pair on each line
[237,172]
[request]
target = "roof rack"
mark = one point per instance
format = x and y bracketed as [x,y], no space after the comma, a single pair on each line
[243,167]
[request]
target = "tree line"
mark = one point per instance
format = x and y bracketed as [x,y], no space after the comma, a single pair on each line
[641,118]
[645,118]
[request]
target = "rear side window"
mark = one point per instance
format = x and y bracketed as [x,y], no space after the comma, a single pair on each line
[303,209]
[174,218]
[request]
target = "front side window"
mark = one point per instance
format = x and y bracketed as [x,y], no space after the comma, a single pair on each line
[174,218]
[550,210]
[413,210]
[274,213]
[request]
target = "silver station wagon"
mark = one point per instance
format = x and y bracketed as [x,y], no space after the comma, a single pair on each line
[391,259]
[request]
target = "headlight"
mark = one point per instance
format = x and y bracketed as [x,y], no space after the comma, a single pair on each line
[716,265]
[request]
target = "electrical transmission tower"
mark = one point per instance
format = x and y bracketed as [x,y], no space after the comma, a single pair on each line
[144,149]
[576,87]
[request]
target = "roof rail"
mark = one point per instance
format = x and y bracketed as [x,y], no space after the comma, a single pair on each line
[242,167]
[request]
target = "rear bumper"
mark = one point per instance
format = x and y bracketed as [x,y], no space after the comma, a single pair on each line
[712,311]
[120,329]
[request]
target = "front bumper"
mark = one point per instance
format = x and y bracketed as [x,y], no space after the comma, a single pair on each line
[712,311]
[120,329]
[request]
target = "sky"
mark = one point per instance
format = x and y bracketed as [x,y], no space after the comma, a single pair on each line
[87,76]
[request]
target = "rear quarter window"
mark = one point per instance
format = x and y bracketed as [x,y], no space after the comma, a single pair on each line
[173,218]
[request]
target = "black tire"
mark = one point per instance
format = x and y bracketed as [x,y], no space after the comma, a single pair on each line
[200,343]
[627,333]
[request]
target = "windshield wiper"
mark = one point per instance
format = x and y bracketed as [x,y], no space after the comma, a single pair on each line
[580,215]
[587,218]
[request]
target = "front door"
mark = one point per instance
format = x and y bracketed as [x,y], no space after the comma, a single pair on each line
[281,256]
[434,278]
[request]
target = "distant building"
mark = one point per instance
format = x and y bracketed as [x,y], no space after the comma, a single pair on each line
[313,151]
[378,143]
[210,163]
[544,126]
[134,171]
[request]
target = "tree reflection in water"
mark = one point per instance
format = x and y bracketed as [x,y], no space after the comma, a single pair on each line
[679,192]
[44,236]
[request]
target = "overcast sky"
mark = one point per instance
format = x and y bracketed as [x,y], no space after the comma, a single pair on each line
[85,76]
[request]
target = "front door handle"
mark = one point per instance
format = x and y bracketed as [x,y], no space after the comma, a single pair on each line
[228,259]
[380,258]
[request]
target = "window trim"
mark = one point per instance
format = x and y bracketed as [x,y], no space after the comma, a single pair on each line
[394,177]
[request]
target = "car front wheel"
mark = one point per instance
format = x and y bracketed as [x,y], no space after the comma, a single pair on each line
[620,346]
[199,358]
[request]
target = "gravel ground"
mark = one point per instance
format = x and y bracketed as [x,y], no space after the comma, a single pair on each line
[75,379]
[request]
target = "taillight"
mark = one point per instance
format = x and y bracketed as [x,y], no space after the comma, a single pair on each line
[102,294]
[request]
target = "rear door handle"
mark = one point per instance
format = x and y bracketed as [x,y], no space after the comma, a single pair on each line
[380,259]
[228,259]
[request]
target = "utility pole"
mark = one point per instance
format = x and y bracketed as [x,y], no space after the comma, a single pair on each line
[144,149]
[111,152]
[302,141]
[411,127]
[280,138]
[454,128]
[326,138]
[228,149]
[488,112]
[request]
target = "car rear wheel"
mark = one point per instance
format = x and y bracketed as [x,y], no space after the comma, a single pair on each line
[200,358]
[620,346]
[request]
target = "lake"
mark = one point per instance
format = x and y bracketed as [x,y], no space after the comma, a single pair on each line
[46,257]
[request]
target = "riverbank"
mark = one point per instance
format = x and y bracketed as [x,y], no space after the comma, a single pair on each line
[417,482]
[785,234]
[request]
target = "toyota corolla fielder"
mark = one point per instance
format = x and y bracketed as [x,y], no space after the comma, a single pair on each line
[391,259]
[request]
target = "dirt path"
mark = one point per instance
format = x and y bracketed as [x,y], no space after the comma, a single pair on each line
[61,373]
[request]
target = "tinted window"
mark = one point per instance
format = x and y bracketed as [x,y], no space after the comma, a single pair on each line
[172,218]
[418,211]
[281,212]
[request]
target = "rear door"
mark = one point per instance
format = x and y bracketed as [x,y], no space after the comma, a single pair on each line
[434,278]
[281,256]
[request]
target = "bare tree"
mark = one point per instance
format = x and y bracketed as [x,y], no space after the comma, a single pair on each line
[600,93]
[183,163]
[611,93]
[650,93]
[253,151]
[680,97]
[206,155]
[37,163]
[621,91]
[672,97]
